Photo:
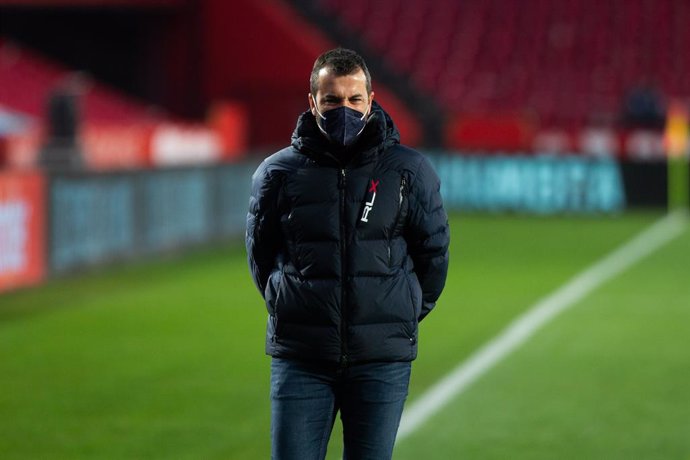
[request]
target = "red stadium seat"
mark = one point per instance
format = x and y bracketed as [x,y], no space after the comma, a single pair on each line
[568,61]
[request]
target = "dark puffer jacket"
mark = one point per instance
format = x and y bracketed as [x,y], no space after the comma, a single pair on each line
[349,258]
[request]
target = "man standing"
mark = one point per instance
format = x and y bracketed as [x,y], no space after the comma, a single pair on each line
[347,241]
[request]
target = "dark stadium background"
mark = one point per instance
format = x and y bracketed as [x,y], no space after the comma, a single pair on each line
[129,130]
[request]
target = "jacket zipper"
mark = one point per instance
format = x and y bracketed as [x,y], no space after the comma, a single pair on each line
[403,191]
[343,270]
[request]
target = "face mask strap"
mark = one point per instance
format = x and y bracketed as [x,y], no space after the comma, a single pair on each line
[317,111]
[366,115]
[317,121]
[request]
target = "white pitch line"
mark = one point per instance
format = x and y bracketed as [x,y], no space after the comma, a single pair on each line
[522,328]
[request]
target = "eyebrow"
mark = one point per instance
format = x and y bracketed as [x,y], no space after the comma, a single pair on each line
[333,96]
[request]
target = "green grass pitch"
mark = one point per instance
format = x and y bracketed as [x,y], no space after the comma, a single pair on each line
[164,359]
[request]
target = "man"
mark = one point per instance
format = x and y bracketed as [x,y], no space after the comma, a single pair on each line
[347,241]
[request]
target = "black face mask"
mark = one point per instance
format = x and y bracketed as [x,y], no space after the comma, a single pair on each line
[342,126]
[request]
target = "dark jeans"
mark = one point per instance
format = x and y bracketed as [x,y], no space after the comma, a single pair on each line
[305,398]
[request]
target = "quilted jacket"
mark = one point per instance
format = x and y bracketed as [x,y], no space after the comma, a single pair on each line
[349,255]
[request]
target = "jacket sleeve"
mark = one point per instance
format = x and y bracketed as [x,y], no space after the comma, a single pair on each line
[428,235]
[263,235]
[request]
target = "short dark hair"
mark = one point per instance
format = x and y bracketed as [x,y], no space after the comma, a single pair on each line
[341,61]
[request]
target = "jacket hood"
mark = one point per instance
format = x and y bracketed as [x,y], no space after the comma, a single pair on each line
[379,133]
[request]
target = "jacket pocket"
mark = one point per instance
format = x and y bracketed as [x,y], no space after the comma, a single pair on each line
[272,292]
[402,198]
[274,307]
[415,290]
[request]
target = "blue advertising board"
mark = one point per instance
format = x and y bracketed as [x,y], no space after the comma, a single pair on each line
[534,184]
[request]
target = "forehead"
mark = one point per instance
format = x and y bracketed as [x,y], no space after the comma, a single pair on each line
[330,83]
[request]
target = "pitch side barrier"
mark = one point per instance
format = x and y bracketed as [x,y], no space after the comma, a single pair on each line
[60,222]
[540,184]
[101,217]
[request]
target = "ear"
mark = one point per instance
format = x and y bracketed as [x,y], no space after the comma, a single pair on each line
[312,104]
[371,100]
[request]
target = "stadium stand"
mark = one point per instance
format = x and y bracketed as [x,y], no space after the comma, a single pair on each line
[474,74]
[27,80]
[565,64]
[113,129]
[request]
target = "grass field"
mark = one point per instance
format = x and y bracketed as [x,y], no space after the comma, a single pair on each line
[165,359]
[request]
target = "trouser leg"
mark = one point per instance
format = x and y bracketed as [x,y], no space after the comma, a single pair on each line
[302,410]
[372,402]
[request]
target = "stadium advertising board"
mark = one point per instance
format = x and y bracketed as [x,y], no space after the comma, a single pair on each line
[100,217]
[92,219]
[534,184]
[21,229]
[116,145]
[177,208]
[97,218]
